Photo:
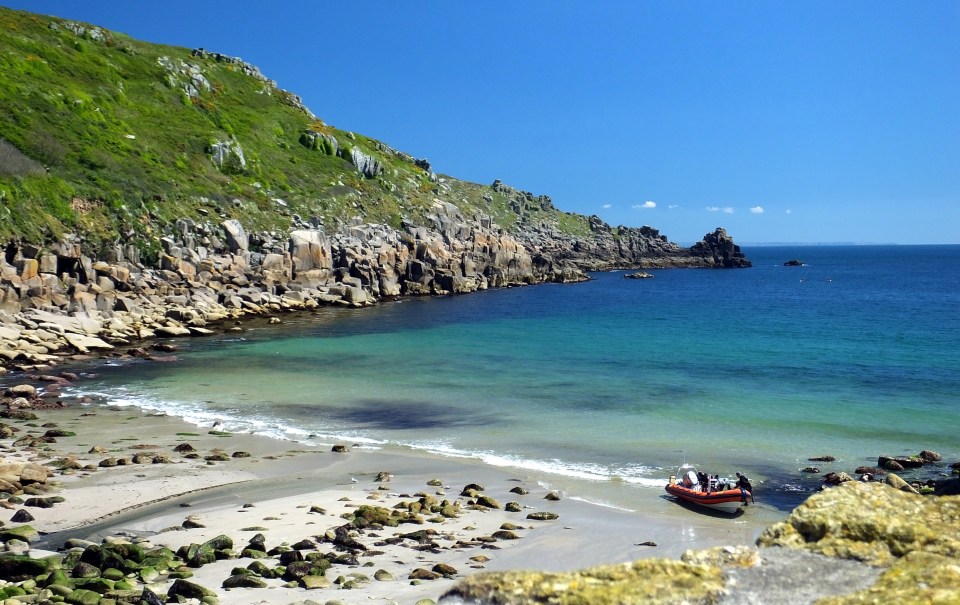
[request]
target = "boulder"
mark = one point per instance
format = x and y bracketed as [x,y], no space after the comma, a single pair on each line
[227,155]
[244,581]
[543,516]
[17,568]
[947,487]
[235,235]
[27,391]
[10,471]
[647,581]
[22,532]
[487,502]
[896,482]
[188,590]
[892,465]
[870,522]
[471,489]
[34,473]
[309,250]
[315,582]
[917,577]
[444,570]
[84,344]
[836,478]
[365,164]
[424,574]
[83,596]
[903,461]
[148,597]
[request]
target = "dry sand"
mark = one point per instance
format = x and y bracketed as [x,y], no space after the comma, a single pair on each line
[272,492]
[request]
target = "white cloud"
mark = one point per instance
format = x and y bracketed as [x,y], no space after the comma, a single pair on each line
[725,209]
[607,206]
[646,204]
[789,211]
[757,210]
[672,206]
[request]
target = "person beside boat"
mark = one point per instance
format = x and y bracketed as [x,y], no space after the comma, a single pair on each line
[743,484]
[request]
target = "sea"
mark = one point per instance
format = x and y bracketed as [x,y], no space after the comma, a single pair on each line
[604,388]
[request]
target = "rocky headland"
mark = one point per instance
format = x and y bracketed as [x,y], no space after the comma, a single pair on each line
[55,300]
[149,190]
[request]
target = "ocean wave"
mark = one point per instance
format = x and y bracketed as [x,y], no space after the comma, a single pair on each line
[635,475]
[202,417]
[272,427]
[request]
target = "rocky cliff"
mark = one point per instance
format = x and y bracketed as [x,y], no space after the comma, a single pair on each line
[57,299]
[148,189]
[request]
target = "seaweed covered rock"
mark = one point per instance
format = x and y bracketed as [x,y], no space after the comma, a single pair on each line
[22,532]
[16,568]
[366,515]
[188,590]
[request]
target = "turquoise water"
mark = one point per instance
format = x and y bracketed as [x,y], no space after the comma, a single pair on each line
[855,354]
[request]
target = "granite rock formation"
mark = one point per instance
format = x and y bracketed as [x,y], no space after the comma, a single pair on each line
[57,299]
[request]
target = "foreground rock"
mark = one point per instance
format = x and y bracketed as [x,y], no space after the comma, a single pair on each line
[856,543]
[870,522]
[650,581]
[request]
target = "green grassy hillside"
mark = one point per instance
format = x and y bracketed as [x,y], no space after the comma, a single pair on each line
[113,138]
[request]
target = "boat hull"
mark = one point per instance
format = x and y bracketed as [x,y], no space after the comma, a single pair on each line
[727,501]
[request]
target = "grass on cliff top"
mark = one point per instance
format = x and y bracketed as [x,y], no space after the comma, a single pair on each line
[101,138]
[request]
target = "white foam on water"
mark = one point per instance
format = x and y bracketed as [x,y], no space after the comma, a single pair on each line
[635,475]
[602,503]
[268,426]
[205,418]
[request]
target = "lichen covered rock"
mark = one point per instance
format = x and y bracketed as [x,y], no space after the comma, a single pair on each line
[870,522]
[918,578]
[648,581]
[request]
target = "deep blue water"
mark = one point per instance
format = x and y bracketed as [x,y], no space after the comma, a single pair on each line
[616,381]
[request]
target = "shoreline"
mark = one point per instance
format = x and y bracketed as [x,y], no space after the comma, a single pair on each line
[281,480]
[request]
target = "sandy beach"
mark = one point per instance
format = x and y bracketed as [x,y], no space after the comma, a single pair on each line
[241,485]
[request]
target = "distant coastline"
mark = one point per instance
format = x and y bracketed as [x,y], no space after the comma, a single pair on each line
[809,244]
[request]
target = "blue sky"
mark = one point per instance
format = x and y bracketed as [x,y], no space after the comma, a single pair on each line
[781,121]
